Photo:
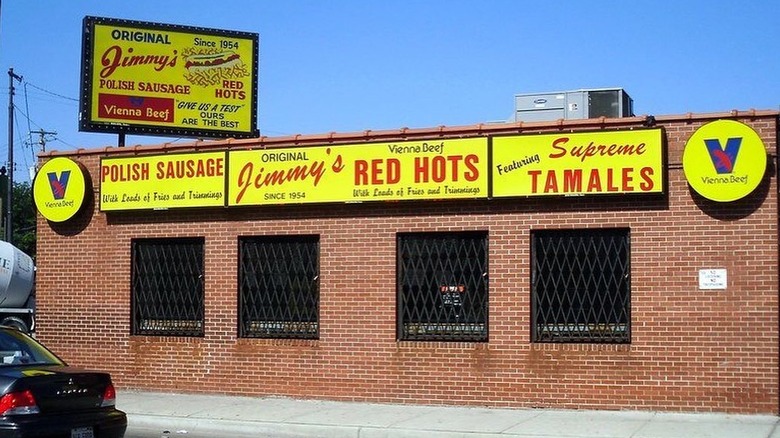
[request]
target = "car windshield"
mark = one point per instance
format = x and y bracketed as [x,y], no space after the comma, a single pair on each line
[16,348]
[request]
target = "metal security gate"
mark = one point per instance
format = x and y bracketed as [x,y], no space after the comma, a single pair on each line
[581,286]
[279,287]
[167,287]
[442,286]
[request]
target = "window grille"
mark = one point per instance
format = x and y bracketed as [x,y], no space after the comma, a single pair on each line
[442,286]
[581,286]
[168,287]
[279,287]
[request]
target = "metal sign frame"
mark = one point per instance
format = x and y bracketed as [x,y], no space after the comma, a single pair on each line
[127,125]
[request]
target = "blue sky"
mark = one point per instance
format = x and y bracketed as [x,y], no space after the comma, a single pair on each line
[352,65]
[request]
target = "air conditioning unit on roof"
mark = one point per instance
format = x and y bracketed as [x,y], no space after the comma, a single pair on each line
[576,104]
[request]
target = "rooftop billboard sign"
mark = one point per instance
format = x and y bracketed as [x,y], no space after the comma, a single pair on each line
[159,79]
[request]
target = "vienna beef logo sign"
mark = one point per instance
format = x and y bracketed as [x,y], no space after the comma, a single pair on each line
[724,160]
[578,163]
[58,184]
[59,189]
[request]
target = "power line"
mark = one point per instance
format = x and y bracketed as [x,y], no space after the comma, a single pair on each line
[50,92]
[12,166]
[29,143]
[26,116]
[27,107]
[44,135]
[64,142]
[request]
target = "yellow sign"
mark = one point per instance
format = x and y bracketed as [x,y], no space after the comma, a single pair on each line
[432,169]
[578,163]
[724,160]
[148,78]
[163,181]
[59,189]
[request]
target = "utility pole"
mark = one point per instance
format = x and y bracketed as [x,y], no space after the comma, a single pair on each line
[42,137]
[9,198]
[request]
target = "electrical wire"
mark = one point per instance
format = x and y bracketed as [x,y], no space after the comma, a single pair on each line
[51,92]
[27,107]
[30,122]
[21,141]
[28,146]
[46,96]
[64,142]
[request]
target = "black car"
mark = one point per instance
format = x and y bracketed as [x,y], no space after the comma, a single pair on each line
[42,397]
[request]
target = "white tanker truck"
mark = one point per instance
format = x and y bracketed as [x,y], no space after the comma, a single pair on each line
[17,281]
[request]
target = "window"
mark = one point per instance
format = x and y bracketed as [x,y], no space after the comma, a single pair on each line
[442,286]
[279,287]
[167,287]
[581,286]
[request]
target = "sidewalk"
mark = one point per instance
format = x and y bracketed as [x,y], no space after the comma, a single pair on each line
[282,417]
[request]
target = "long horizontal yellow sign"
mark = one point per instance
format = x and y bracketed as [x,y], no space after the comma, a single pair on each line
[163,181]
[433,169]
[578,163]
[533,165]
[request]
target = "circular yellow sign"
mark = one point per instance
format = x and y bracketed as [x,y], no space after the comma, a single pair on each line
[59,189]
[724,160]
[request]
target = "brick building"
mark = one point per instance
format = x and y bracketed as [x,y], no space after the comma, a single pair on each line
[621,289]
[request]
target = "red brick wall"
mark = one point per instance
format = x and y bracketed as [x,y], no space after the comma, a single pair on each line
[691,349]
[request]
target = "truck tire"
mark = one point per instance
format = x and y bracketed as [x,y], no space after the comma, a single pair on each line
[16,322]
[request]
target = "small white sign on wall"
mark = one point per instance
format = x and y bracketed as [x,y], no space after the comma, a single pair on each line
[712,279]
